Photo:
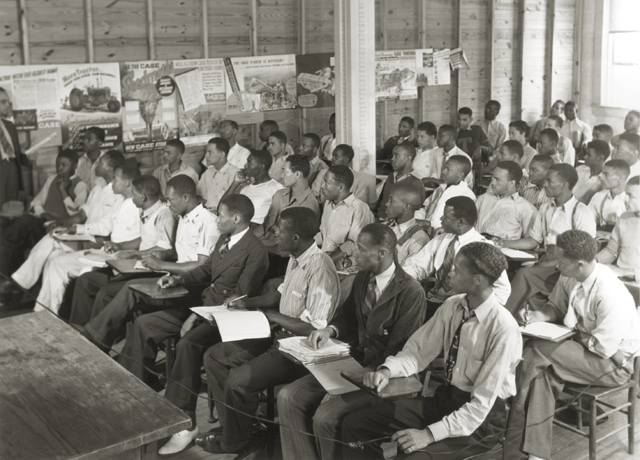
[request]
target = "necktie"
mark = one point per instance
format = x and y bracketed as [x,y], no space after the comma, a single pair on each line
[433,202]
[447,263]
[572,317]
[453,352]
[7,145]
[224,247]
[370,296]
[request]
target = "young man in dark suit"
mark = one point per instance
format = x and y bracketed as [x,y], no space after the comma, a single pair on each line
[11,158]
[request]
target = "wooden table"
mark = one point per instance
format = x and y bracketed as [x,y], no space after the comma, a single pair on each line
[62,398]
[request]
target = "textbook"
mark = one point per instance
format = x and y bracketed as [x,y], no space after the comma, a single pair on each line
[547,331]
[236,325]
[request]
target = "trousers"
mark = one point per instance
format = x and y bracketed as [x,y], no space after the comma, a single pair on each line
[528,282]
[22,233]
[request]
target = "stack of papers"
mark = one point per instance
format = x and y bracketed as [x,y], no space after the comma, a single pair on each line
[298,348]
[96,258]
[515,254]
[60,235]
[236,325]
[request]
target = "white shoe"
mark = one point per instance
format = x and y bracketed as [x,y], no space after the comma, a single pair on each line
[179,442]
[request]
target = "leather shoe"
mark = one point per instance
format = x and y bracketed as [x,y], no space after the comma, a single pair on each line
[179,442]
[211,442]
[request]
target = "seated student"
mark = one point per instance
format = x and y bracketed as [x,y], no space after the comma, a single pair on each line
[623,251]
[342,218]
[502,213]
[604,132]
[237,372]
[471,138]
[482,345]
[534,134]
[590,173]
[435,259]
[495,131]
[173,164]
[519,131]
[92,140]
[565,152]
[254,181]
[266,128]
[631,125]
[538,170]
[427,134]
[589,298]
[402,164]
[608,204]
[95,218]
[237,155]
[574,129]
[364,184]
[125,235]
[398,301]
[454,171]
[218,177]
[446,149]
[309,148]
[562,214]
[277,149]
[511,151]
[405,134]
[401,207]
[627,149]
[296,192]
[329,142]
[61,196]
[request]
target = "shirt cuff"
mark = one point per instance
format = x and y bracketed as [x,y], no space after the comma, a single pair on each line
[439,431]
[81,229]
[317,323]
[70,204]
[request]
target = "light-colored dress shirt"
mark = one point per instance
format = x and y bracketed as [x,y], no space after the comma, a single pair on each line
[587,185]
[71,205]
[316,165]
[552,220]
[214,183]
[508,218]
[277,168]
[529,153]
[283,199]
[435,203]
[127,224]
[423,162]
[197,234]
[163,174]
[87,171]
[327,144]
[606,208]
[439,156]
[489,350]
[413,244]
[363,188]
[101,209]
[623,246]
[238,155]
[635,170]
[577,131]
[495,131]
[535,195]
[261,196]
[158,227]
[566,152]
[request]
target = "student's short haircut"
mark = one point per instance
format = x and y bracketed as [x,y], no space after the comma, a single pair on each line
[448,129]
[176,143]
[570,104]
[233,124]
[113,158]
[514,147]
[346,150]
[381,235]
[148,185]
[635,180]
[342,174]
[496,103]
[559,100]
[631,138]
[552,134]
[409,195]
[409,120]
[282,137]
[408,148]
[604,129]
[577,245]
[129,171]
[302,221]
[544,160]
[99,132]
[465,111]
[263,157]
[299,163]
[271,124]
[429,128]
[314,138]
[521,126]
[567,172]
[557,120]
[221,144]
[485,259]
[601,148]
[182,184]
[240,205]
[70,155]
[514,171]
[621,166]
[462,162]
[463,208]
[634,112]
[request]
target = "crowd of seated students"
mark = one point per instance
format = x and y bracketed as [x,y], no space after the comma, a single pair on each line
[404,277]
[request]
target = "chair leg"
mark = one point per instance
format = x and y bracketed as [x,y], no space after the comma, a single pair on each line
[579,405]
[631,418]
[170,352]
[593,411]
[271,432]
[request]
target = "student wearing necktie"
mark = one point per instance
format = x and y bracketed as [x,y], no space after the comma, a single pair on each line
[482,346]
[11,158]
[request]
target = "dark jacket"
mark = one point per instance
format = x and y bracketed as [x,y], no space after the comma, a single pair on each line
[411,181]
[239,272]
[398,313]
[21,159]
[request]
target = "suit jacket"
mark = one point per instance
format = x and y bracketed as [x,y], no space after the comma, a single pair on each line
[396,315]
[21,159]
[239,272]
[410,180]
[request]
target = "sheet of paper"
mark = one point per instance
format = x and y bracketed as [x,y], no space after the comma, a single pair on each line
[544,330]
[328,374]
[236,325]
[68,237]
[515,254]
[458,59]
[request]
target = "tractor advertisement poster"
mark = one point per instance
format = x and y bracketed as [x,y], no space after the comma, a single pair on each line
[396,75]
[89,95]
[316,80]
[201,98]
[260,84]
[148,94]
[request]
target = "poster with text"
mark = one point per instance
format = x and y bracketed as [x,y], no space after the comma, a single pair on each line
[89,95]
[201,98]
[148,93]
[396,75]
[432,67]
[316,80]
[260,84]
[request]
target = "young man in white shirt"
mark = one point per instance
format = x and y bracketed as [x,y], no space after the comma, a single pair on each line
[518,131]
[92,140]
[576,130]
[237,155]
[627,149]
[218,177]
[277,148]
[427,146]
[631,125]
[310,148]
[495,131]
[403,202]
[566,152]
[538,170]
[590,173]
[173,164]
[608,204]
[447,148]
[266,128]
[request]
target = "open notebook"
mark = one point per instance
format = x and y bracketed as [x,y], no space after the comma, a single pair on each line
[236,325]
[548,331]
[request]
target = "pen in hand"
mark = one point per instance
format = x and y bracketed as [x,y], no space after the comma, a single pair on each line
[229,302]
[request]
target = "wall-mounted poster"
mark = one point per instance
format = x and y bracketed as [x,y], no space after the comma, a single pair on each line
[201,98]
[89,95]
[316,80]
[260,84]
[396,75]
[432,67]
[148,93]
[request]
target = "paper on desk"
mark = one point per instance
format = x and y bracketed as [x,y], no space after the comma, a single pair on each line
[547,331]
[236,325]
[96,257]
[139,266]
[515,254]
[328,374]
[298,348]
[69,237]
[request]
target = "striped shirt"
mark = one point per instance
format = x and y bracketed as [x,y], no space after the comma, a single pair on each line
[535,195]
[606,208]
[214,183]
[158,227]
[311,288]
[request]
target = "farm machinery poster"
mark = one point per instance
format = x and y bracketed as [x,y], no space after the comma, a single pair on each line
[89,95]
[396,75]
[148,93]
[316,79]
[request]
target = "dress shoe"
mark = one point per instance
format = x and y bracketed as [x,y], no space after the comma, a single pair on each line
[211,442]
[179,442]
[8,287]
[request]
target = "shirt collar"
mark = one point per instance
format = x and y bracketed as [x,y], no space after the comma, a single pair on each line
[299,198]
[483,310]
[568,206]
[147,212]
[221,170]
[233,239]
[383,279]
[403,227]
[306,256]
[348,200]
[192,215]
[469,237]
[591,279]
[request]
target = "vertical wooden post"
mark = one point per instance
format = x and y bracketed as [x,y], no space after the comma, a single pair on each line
[490,36]
[302,49]
[422,30]
[205,28]
[150,36]
[383,111]
[577,49]
[551,32]
[88,27]
[521,35]
[24,31]
[254,28]
[453,111]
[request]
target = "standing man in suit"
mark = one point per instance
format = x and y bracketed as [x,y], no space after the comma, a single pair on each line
[11,158]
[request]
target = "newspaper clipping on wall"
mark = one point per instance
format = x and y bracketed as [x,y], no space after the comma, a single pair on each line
[396,75]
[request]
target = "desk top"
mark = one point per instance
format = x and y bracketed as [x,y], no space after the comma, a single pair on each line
[61,397]
[125,266]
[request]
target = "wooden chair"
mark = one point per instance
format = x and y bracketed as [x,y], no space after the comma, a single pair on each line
[591,397]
